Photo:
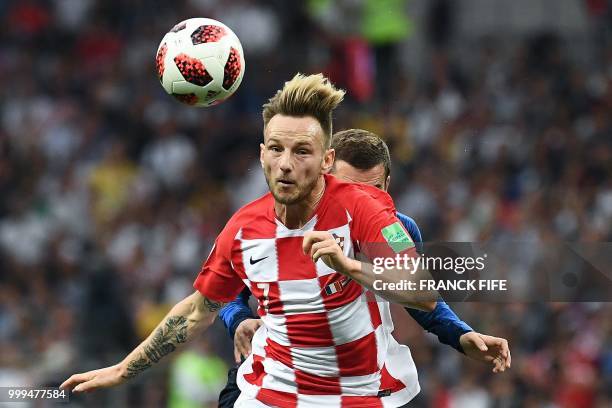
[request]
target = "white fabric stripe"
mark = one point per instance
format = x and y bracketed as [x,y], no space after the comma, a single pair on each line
[382,343]
[284,232]
[360,385]
[350,322]
[259,259]
[318,401]
[319,361]
[400,365]
[277,331]
[301,296]
[283,378]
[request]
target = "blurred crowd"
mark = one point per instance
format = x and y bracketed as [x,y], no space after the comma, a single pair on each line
[111,192]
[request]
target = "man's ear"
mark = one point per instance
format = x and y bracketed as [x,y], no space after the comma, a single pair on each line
[387,183]
[261,154]
[328,161]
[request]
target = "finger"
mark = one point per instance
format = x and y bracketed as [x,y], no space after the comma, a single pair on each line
[311,237]
[307,242]
[499,364]
[502,344]
[86,386]
[504,348]
[74,380]
[508,359]
[244,346]
[317,246]
[330,250]
[236,355]
[478,342]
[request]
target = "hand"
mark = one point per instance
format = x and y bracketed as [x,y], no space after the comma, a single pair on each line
[321,244]
[488,349]
[243,336]
[93,380]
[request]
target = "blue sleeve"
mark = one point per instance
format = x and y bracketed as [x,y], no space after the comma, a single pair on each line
[442,321]
[236,311]
[413,230]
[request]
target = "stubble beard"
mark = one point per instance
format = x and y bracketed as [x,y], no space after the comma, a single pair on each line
[300,195]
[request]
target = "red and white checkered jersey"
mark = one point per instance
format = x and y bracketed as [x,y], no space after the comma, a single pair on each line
[323,343]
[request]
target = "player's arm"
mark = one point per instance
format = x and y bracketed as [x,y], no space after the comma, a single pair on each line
[185,320]
[236,311]
[240,323]
[453,331]
[443,322]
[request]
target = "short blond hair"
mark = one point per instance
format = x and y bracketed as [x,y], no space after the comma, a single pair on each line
[306,95]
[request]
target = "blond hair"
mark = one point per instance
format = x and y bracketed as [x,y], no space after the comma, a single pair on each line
[306,95]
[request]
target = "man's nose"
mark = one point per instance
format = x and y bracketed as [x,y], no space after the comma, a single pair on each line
[284,162]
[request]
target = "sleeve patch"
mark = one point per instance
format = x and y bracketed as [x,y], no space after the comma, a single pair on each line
[397,238]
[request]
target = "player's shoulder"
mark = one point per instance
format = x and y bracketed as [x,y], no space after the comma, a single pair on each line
[411,226]
[353,194]
[252,213]
[406,220]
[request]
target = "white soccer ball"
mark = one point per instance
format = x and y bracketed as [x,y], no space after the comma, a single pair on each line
[200,62]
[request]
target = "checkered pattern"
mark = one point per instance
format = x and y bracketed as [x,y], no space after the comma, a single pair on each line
[317,347]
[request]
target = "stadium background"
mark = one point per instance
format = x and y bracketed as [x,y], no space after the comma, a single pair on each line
[497,113]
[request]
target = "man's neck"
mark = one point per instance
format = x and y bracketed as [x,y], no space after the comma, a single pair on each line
[295,216]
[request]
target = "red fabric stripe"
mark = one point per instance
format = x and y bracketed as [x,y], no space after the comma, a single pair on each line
[259,228]
[358,357]
[388,382]
[256,377]
[317,385]
[274,305]
[277,398]
[309,330]
[278,352]
[374,310]
[361,402]
[293,264]
[351,291]
[236,258]
[331,214]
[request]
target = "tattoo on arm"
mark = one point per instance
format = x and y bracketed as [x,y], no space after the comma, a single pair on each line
[212,306]
[163,342]
[136,366]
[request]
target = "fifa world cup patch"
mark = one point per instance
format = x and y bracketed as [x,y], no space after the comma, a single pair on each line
[396,237]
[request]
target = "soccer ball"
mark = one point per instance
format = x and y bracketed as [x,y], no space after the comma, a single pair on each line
[200,62]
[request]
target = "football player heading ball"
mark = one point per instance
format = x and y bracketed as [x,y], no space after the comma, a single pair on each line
[362,157]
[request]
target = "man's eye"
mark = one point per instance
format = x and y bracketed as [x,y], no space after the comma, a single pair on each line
[302,151]
[275,148]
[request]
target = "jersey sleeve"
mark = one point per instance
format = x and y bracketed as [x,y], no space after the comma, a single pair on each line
[377,228]
[217,279]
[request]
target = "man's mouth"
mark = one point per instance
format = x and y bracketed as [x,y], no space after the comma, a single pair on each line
[285,182]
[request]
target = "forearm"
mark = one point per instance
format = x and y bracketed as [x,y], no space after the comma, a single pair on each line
[184,321]
[236,312]
[384,285]
[442,322]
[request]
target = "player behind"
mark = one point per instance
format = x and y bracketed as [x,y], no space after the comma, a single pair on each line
[319,346]
[363,157]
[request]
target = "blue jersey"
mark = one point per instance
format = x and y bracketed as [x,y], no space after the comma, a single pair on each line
[442,321]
